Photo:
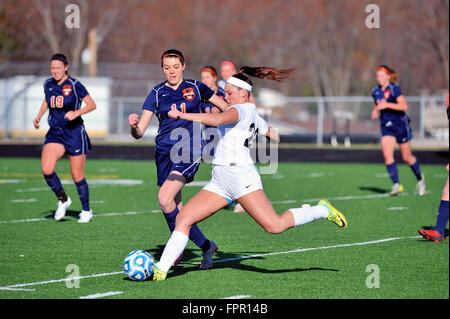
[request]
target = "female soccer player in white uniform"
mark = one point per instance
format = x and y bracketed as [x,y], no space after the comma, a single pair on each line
[234,176]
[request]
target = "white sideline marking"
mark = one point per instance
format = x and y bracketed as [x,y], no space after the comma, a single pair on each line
[16,289]
[217,261]
[30,200]
[123,182]
[33,189]
[61,280]
[312,248]
[42,219]
[349,197]
[101,295]
[237,297]
[398,208]
[9,181]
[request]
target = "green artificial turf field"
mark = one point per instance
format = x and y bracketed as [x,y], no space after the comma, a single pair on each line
[42,258]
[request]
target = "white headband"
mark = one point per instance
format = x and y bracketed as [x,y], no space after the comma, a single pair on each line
[239,83]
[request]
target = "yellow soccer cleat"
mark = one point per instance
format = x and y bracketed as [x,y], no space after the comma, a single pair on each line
[333,214]
[158,274]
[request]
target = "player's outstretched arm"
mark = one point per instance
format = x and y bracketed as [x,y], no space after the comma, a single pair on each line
[219,102]
[139,126]
[211,119]
[42,110]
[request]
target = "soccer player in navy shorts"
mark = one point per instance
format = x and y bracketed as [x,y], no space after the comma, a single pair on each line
[390,106]
[67,135]
[178,143]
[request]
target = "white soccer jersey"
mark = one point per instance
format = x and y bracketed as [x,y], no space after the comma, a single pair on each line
[237,138]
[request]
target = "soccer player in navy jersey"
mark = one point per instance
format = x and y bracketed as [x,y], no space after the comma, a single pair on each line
[208,76]
[390,106]
[67,135]
[173,170]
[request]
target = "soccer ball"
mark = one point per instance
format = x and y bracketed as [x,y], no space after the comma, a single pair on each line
[138,265]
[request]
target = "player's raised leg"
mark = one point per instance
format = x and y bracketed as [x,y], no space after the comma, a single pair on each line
[199,207]
[261,210]
[51,153]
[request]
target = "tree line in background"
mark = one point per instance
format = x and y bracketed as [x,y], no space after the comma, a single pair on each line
[327,41]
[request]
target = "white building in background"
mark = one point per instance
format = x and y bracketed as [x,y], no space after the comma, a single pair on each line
[22,96]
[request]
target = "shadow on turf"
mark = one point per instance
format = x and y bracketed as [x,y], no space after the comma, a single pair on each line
[374,189]
[69,213]
[190,254]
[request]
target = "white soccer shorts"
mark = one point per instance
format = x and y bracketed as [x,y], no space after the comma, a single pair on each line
[233,182]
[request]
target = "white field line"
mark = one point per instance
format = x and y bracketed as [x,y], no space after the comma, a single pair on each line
[237,297]
[216,261]
[398,208]
[43,219]
[289,201]
[61,280]
[349,197]
[29,200]
[101,295]
[16,289]
[299,250]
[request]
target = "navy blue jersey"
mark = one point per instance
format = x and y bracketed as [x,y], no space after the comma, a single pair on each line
[187,99]
[390,94]
[207,106]
[62,99]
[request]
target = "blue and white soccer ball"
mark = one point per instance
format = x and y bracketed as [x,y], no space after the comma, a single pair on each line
[138,265]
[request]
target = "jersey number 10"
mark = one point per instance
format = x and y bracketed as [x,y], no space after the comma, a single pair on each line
[57,101]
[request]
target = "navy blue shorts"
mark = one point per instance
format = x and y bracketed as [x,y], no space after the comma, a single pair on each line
[75,140]
[400,129]
[164,166]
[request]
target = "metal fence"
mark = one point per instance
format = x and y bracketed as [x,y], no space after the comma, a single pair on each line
[316,120]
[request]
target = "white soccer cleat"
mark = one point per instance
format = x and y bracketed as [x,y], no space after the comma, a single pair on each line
[62,207]
[421,186]
[396,189]
[85,216]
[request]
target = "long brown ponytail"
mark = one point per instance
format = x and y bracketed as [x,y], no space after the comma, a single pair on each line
[267,73]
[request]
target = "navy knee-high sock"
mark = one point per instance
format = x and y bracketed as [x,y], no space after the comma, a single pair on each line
[442,217]
[393,172]
[83,193]
[195,234]
[416,170]
[55,184]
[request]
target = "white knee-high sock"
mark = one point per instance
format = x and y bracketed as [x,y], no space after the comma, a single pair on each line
[174,247]
[307,214]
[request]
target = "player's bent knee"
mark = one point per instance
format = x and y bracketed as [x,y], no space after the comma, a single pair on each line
[165,202]
[77,177]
